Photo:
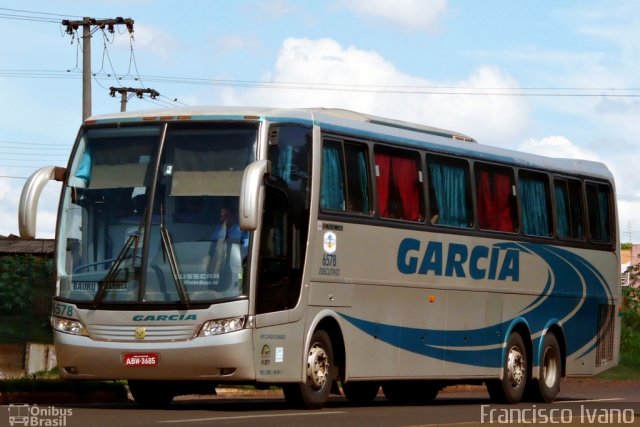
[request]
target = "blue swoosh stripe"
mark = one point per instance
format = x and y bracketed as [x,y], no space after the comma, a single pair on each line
[570,278]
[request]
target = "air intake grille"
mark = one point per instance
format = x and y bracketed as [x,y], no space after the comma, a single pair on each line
[151,333]
[606,325]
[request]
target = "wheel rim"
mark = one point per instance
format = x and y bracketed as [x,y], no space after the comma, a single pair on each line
[317,367]
[549,367]
[516,367]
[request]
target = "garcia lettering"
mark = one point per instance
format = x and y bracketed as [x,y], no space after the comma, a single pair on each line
[458,260]
[163,317]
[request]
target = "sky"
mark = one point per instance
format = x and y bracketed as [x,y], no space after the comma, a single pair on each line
[558,78]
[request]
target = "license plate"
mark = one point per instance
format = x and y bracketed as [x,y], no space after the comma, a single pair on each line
[140,359]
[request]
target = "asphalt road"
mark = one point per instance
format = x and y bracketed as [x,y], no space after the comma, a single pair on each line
[581,402]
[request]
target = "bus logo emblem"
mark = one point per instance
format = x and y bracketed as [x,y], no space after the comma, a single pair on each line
[141,333]
[330,242]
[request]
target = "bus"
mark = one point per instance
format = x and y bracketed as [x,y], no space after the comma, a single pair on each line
[326,251]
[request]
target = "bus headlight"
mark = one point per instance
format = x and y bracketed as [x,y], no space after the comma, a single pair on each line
[222,326]
[68,326]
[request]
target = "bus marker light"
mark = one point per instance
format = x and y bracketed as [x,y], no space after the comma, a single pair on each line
[432,298]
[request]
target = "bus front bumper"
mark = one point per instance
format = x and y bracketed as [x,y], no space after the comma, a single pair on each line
[226,357]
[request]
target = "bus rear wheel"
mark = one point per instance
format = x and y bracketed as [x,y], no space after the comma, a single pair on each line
[547,387]
[151,394]
[511,387]
[314,392]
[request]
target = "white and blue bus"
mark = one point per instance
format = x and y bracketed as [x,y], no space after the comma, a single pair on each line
[307,248]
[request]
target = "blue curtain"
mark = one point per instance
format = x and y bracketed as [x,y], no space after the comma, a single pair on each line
[84,168]
[283,168]
[332,190]
[562,211]
[603,214]
[535,208]
[364,181]
[450,187]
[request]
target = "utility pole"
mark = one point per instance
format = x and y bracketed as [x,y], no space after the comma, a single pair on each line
[87,24]
[124,91]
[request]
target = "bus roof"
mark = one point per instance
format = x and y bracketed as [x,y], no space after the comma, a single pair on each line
[384,129]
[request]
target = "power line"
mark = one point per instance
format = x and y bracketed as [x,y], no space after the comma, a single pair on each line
[613,92]
[21,144]
[35,12]
[13,177]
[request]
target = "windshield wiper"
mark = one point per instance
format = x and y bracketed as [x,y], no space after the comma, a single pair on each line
[102,288]
[167,246]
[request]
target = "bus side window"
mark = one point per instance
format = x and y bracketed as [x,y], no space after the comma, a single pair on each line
[534,204]
[496,198]
[449,192]
[598,205]
[345,177]
[357,171]
[399,183]
[568,197]
[332,189]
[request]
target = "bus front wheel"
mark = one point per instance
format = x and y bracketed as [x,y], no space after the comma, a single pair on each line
[319,371]
[511,387]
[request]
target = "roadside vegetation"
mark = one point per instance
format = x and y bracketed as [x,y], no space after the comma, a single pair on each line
[47,387]
[629,367]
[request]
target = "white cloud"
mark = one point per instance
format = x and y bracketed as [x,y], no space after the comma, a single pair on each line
[10,190]
[150,39]
[361,80]
[407,14]
[557,146]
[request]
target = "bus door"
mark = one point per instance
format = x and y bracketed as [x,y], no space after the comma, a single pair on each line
[285,224]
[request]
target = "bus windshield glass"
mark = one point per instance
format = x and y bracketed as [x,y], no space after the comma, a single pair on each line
[149,215]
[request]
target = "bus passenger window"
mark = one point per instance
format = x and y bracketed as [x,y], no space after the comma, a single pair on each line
[399,181]
[332,190]
[568,196]
[598,205]
[534,204]
[496,198]
[345,177]
[449,193]
[357,178]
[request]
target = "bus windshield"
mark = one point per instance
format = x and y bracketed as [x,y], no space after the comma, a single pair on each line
[149,215]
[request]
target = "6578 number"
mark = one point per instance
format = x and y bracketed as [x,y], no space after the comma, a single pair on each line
[62,309]
[329,260]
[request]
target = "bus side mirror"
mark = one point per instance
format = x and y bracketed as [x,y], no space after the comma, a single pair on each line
[28,207]
[252,194]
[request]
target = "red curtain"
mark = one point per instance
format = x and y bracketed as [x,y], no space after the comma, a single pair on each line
[383,162]
[401,175]
[405,177]
[495,208]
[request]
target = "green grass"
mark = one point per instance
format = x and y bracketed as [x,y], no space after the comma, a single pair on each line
[621,372]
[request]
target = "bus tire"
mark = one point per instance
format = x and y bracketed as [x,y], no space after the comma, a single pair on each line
[151,394]
[410,392]
[319,371]
[360,392]
[547,387]
[511,387]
